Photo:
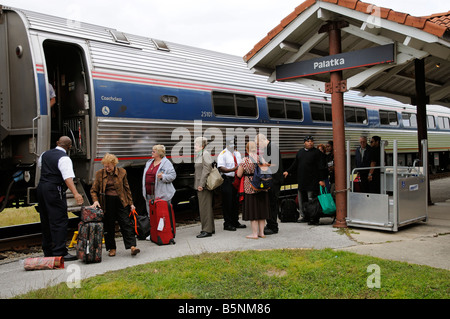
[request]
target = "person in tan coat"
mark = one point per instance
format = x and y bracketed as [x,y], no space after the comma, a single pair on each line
[203,167]
[111,192]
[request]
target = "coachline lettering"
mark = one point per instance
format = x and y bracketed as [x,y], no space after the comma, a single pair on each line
[329,63]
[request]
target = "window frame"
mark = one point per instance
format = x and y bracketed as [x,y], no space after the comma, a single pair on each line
[285,109]
[388,112]
[235,104]
[325,107]
[355,110]
[410,115]
[428,122]
[444,126]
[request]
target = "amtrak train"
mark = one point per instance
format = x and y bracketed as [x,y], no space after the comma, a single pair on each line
[121,93]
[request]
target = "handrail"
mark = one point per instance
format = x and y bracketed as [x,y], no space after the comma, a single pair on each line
[33,135]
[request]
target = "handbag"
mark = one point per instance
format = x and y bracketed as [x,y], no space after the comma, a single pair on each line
[326,202]
[141,224]
[214,179]
[237,180]
[91,214]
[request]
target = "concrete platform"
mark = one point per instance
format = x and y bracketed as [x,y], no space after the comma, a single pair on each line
[423,243]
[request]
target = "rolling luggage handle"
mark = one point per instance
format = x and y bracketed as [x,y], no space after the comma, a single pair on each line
[171,220]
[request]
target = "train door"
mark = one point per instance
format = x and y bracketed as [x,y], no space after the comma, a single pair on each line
[66,68]
[70,110]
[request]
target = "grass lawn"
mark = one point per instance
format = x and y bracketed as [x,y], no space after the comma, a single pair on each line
[272,274]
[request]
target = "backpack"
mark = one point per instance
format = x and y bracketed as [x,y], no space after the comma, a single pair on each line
[262,178]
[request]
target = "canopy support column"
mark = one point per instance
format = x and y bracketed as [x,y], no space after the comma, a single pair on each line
[336,88]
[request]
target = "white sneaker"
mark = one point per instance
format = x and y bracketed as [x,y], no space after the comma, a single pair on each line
[148,238]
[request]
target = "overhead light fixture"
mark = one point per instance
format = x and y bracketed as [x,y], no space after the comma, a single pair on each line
[438,65]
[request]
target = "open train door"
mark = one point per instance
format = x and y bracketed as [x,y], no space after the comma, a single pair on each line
[70,110]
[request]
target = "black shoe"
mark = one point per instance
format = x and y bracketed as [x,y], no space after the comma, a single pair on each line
[268,231]
[303,220]
[229,227]
[204,234]
[70,257]
[314,222]
[239,225]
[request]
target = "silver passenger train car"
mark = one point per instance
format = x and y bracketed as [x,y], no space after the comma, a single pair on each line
[123,93]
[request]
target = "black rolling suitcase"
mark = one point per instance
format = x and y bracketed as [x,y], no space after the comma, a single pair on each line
[289,212]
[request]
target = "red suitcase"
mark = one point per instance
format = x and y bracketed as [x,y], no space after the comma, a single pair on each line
[162,222]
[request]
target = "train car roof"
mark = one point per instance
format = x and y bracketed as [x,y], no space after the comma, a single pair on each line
[154,57]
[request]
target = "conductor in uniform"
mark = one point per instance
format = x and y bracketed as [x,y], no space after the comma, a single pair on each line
[56,176]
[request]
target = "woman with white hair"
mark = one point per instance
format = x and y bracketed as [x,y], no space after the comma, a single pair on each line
[158,176]
[203,167]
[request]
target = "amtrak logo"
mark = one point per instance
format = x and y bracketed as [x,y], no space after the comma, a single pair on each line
[105,110]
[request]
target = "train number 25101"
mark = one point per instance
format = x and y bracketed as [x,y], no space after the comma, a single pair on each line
[207,114]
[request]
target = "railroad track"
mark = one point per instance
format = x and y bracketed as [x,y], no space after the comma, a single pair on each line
[22,237]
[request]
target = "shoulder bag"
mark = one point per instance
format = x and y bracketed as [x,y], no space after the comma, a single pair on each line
[326,202]
[214,179]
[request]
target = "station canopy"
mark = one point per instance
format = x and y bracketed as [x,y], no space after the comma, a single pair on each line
[297,38]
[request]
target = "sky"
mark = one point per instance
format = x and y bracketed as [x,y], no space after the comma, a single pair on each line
[232,26]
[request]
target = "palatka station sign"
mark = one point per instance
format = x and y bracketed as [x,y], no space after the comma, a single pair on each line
[348,60]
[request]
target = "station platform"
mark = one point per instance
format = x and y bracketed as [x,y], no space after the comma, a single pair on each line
[425,243]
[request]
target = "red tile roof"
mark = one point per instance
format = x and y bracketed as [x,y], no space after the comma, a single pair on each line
[436,24]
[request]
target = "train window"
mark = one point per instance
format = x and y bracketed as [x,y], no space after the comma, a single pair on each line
[293,110]
[320,112]
[409,120]
[230,104]
[328,115]
[355,115]
[223,103]
[430,121]
[444,122]
[350,116]
[246,105]
[119,37]
[276,108]
[361,116]
[388,118]
[160,45]
[284,109]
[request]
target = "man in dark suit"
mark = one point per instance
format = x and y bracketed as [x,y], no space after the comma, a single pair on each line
[271,154]
[311,168]
[362,158]
[375,161]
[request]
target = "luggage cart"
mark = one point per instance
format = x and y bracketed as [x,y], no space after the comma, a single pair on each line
[403,196]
